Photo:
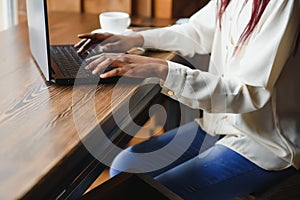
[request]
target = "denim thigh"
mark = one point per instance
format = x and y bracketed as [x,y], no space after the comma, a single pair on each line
[202,170]
[184,143]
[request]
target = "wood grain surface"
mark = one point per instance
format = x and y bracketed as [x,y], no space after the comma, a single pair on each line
[38,127]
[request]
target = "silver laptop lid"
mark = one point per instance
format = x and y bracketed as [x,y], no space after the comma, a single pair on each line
[38,34]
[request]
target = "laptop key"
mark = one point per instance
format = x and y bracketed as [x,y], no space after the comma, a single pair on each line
[67,60]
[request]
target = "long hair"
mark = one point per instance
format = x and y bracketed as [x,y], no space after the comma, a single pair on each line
[258,9]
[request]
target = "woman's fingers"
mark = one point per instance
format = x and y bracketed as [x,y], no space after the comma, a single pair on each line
[100,62]
[94,61]
[91,59]
[86,40]
[80,43]
[96,36]
[99,65]
[84,46]
[86,35]
[116,71]
[102,66]
[128,65]
[90,39]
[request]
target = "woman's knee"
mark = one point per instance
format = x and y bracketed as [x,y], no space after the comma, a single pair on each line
[120,162]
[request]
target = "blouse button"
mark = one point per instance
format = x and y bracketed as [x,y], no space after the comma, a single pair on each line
[225,117]
[170,93]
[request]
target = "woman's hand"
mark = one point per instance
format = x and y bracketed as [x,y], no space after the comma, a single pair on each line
[109,42]
[128,65]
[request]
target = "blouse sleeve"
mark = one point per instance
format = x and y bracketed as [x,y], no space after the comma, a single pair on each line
[194,37]
[249,87]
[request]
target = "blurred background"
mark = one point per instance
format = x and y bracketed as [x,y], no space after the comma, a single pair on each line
[14,11]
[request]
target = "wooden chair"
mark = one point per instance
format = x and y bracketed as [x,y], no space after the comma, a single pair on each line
[287,189]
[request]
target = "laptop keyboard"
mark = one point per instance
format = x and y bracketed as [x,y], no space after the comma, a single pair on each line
[69,62]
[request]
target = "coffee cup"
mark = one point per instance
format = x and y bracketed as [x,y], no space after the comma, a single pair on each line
[114,22]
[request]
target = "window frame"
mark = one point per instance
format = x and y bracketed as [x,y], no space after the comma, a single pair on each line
[8,13]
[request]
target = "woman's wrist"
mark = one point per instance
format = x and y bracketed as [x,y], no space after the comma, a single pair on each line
[163,70]
[138,39]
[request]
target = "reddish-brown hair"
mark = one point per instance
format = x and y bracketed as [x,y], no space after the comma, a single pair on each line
[258,9]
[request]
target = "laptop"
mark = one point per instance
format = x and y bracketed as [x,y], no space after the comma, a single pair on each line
[59,64]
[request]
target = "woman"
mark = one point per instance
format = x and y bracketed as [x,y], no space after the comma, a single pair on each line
[247,95]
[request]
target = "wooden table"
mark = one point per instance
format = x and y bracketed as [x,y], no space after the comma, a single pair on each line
[42,126]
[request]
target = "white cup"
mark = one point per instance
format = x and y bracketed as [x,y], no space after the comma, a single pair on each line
[114,22]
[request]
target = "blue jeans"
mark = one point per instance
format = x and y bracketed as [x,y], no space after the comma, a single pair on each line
[204,170]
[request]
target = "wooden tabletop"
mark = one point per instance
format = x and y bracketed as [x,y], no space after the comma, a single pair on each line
[41,125]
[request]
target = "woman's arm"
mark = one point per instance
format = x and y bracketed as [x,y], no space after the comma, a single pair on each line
[194,37]
[248,84]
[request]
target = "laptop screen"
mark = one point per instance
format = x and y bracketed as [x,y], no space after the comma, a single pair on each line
[38,34]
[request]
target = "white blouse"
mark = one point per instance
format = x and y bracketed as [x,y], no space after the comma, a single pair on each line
[251,97]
